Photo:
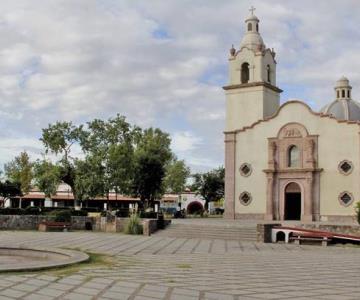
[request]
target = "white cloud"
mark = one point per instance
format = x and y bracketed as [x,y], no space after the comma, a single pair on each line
[185,141]
[76,60]
[11,146]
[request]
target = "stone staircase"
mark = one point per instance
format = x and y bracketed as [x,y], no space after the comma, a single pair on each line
[221,232]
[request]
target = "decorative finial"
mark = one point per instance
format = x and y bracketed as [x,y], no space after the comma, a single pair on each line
[252,8]
[232,51]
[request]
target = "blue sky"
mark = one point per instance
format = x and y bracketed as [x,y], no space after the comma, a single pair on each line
[159,63]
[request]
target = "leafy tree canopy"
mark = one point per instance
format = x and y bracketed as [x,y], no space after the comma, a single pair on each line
[9,190]
[20,170]
[117,157]
[47,177]
[210,185]
[151,156]
[177,174]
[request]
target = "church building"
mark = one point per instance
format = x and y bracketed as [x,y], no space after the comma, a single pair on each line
[286,162]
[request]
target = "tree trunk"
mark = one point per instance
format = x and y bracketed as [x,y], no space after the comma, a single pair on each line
[206,205]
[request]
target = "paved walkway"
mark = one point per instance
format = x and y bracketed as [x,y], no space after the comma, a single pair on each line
[170,268]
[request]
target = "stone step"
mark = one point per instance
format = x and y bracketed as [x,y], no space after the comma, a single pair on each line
[210,232]
[252,239]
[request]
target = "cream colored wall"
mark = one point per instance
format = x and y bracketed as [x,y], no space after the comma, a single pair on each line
[337,141]
[271,102]
[244,106]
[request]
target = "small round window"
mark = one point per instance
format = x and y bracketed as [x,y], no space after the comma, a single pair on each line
[345,167]
[245,169]
[245,198]
[346,198]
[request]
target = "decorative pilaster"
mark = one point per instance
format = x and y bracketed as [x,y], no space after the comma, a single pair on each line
[230,168]
[272,153]
[269,197]
[308,205]
[309,148]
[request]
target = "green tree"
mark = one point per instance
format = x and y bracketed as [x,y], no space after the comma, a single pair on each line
[177,174]
[111,144]
[89,178]
[47,177]
[9,190]
[20,170]
[152,154]
[210,185]
[59,138]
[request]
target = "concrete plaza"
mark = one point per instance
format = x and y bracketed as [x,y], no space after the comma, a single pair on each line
[160,267]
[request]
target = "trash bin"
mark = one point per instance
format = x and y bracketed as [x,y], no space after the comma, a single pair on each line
[160,221]
[88,226]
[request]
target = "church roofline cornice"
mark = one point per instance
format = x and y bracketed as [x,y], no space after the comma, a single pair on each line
[321,115]
[252,84]
[256,53]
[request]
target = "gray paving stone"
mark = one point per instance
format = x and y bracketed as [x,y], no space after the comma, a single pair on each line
[12,293]
[115,295]
[186,292]
[51,292]
[153,294]
[60,286]
[215,296]
[86,291]
[182,268]
[76,296]
[155,288]
[182,297]
[121,289]
[38,297]
[25,287]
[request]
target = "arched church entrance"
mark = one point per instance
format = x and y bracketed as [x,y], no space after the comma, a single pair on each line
[292,202]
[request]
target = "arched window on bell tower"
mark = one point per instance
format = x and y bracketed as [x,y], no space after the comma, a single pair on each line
[245,73]
[249,27]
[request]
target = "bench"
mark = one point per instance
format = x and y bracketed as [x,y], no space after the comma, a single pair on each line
[308,238]
[54,226]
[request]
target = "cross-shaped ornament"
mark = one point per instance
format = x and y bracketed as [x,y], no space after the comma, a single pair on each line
[252,8]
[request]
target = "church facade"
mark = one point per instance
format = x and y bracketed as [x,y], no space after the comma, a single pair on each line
[286,162]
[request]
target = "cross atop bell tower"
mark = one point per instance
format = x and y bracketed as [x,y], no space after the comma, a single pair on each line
[252,9]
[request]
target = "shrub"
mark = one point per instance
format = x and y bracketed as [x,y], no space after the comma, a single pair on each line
[12,211]
[91,209]
[357,209]
[61,215]
[133,226]
[122,213]
[32,210]
[148,214]
[81,213]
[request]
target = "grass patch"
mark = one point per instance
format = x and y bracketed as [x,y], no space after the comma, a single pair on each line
[95,260]
[183,266]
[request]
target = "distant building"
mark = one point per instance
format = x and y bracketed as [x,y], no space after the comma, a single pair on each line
[65,198]
[189,201]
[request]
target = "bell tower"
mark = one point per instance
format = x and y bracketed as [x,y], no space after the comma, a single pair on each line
[251,94]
